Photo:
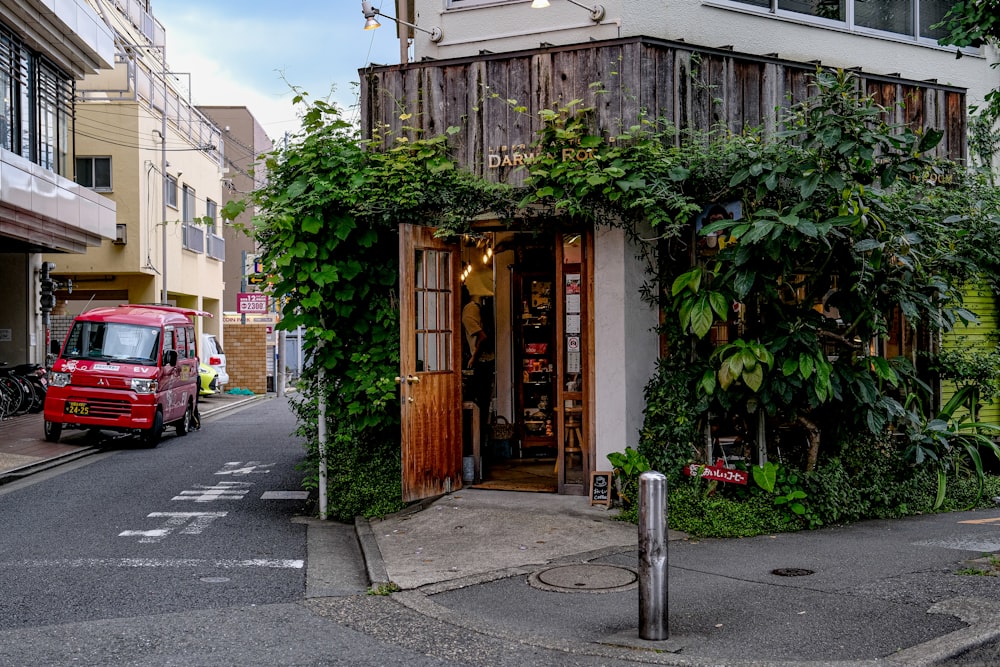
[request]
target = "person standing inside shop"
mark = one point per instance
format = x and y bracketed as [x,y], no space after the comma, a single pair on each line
[482,359]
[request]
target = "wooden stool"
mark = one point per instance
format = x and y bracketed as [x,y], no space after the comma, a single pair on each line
[574,437]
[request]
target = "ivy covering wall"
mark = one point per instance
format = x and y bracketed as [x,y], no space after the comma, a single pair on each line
[837,194]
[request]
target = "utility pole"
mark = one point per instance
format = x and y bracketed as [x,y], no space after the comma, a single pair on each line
[163,171]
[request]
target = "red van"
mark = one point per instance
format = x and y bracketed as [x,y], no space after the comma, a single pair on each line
[132,368]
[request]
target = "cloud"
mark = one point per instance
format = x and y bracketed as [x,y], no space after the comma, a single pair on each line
[249,54]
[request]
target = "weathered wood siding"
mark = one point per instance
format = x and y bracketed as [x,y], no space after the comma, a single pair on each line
[625,80]
[981,336]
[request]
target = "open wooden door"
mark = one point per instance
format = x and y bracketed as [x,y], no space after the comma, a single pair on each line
[430,374]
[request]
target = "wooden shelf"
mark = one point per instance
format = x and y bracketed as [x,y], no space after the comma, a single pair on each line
[535,397]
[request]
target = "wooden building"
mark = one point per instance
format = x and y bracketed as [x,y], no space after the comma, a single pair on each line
[575,341]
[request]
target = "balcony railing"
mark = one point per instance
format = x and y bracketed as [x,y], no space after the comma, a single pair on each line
[142,20]
[194,237]
[216,247]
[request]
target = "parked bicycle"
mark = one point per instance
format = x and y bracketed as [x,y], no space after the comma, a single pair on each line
[23,388]
[8,402]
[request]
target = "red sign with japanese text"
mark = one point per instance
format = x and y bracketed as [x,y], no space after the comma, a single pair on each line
[251,302]
[718,472]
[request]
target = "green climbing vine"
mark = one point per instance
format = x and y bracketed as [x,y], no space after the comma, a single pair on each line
[838,202]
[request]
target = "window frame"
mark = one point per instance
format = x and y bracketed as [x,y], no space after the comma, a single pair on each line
[170,191]
[772,10]
[93,185]
[188,203]
[212,212]
[37,105]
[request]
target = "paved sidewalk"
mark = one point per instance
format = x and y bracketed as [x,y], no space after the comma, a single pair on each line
[554,572]
[24,450]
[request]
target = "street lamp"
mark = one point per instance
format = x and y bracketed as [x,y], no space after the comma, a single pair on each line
[371,22]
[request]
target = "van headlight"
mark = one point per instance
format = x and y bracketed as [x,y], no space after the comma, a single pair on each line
[143,385]
[59,379]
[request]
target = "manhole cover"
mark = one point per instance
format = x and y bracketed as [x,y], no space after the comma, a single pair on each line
[792,572]
[584,578]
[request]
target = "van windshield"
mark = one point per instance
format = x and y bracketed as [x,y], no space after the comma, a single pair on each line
[111,341]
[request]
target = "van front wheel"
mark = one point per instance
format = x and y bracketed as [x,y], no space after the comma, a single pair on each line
[52,431]
[184,425]
[151,437]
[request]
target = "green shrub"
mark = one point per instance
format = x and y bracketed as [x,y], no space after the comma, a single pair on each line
[693,510]
[964,492]
[867,479]
[627,468]
[363,466]
[670,429]
[364,480]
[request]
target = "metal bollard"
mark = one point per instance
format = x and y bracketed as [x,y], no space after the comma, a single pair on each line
[653,556]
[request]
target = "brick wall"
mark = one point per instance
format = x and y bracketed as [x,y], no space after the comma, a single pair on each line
[246,356]
[59,326]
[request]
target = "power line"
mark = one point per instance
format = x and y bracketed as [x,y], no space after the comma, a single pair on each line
[139,147]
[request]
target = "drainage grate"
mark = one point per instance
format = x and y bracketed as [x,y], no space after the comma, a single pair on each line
[792,572]
[585,578]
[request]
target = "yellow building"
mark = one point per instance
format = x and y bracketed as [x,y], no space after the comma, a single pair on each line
[142,144]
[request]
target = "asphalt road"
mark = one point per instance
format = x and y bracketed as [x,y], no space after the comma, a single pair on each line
[193,554]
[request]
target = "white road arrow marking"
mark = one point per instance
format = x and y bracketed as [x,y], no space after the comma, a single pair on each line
[248,468]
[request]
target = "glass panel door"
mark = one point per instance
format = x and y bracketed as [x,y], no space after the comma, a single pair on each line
[574,454]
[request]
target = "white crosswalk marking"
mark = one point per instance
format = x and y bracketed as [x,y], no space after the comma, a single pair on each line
[273,563]
[220,491]
[190,523]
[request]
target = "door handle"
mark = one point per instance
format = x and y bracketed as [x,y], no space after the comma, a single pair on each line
[413,379]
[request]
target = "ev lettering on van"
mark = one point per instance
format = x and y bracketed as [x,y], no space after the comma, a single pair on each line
[141,369]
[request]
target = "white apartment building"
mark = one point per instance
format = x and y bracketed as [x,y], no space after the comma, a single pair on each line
[45,49]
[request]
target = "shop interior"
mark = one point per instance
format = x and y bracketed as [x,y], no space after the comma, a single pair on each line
[524,291]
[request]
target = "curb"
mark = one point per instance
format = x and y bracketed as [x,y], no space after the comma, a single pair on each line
[235,405]
[378,576]
[374,563]
[15,474]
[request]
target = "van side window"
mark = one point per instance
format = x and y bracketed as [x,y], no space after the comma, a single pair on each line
[73,342]
[191,353]
[181,342]
[168,340]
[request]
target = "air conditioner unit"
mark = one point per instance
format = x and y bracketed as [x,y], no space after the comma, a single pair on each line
[121,234]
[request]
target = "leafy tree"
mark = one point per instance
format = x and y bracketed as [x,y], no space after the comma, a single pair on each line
[835,215]
[976,23]
[971,23]
[839,209]
[327,227]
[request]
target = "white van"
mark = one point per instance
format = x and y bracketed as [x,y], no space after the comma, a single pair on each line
[213,355]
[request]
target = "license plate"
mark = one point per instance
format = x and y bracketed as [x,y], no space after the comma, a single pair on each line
[77,408]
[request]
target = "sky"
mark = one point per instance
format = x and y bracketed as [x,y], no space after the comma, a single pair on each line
[249,52]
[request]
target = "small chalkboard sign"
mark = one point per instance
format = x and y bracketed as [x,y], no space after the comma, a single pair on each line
[600,488]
